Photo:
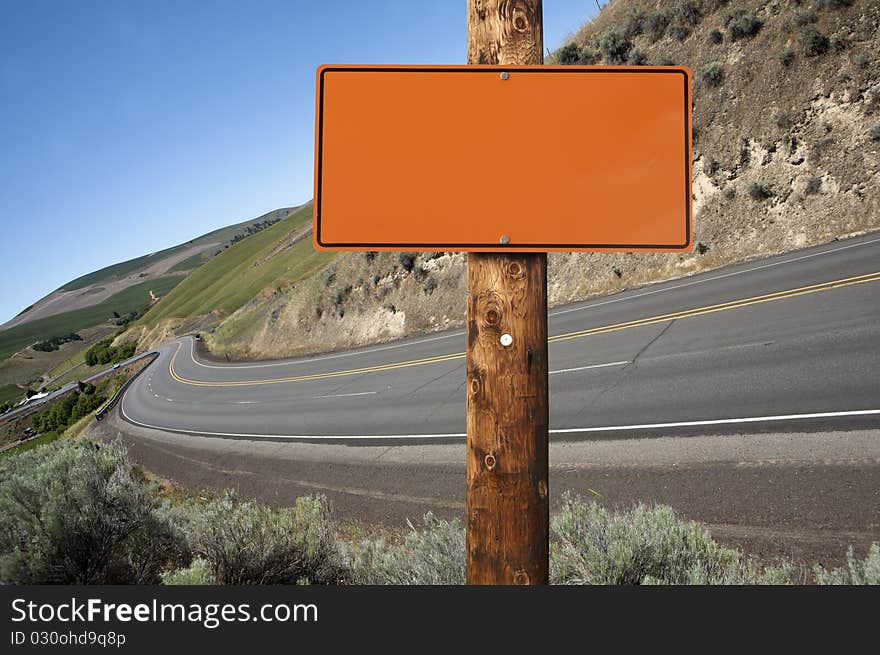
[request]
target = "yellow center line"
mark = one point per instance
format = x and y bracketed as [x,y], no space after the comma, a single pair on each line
[651,320]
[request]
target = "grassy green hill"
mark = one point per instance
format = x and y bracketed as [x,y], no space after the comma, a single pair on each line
[86,305]
[122,269]
[132,299]
[242,271]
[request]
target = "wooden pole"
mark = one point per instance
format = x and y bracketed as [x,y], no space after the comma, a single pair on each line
[507,404]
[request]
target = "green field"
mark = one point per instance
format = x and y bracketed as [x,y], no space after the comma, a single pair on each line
[42,440]
[118,270]
[238,274]
[188,264]
[122,269]
[135,298]
[10,393]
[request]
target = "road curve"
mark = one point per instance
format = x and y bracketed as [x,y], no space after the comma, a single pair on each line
[790,343]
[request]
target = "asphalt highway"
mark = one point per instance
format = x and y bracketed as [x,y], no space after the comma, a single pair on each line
[789,343]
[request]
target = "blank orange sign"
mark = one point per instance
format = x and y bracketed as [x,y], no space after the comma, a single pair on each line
[489,158]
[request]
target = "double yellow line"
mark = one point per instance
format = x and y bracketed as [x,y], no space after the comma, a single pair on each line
[651,320]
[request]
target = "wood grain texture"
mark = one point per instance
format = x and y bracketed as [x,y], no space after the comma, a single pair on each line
[505,32]
[507,389]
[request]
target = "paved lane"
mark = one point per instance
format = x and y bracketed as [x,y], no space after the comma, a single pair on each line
[787,343]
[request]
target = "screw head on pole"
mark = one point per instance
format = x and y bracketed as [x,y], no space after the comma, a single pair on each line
[506,340]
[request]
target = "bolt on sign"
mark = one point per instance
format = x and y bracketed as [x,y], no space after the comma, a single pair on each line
[503,158]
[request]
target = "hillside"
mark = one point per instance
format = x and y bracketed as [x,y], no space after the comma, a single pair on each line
[96,305]
[786,155]
[270,262]
[96,287]
[786,150]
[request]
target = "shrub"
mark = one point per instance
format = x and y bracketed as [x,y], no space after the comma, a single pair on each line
[588,57]
[711,166]
[745,152]
[430,285]
[874,133]
[568,54]
[743,26]
[328,277]
[686,12]
[658,21]
[245,542]
[52,344]
[713,74]
[614,47]
[434,554]
[856,572]
[80,513]
[716,37]
[760,191]
[68,410]
[634,24]
[407,261]
[702,248]
[815,43]
[679,31]
[644,545]
[786,57]
[805,17]
[784,120]
[814,184]
[103,353]
[637,57]
[197,573]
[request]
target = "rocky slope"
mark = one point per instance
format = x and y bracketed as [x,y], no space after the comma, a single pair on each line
[786,155]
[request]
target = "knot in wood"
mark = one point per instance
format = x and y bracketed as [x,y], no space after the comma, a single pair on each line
[475,384]
[521,578]
[518,14]
[491,312]
[515,270]
[490,461]
[542,489]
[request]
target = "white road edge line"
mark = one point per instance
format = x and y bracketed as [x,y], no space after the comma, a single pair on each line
[346,395]
[644,426]
[584,368]
[720,421]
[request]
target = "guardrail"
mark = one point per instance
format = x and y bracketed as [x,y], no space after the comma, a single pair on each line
[61,391]
[110,404]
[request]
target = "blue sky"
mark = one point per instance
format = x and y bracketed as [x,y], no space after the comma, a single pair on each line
[128,127]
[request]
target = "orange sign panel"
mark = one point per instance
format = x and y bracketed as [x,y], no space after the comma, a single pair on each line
[489,158]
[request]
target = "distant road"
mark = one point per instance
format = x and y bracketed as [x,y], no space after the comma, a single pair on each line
[787,343]
[69,386]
